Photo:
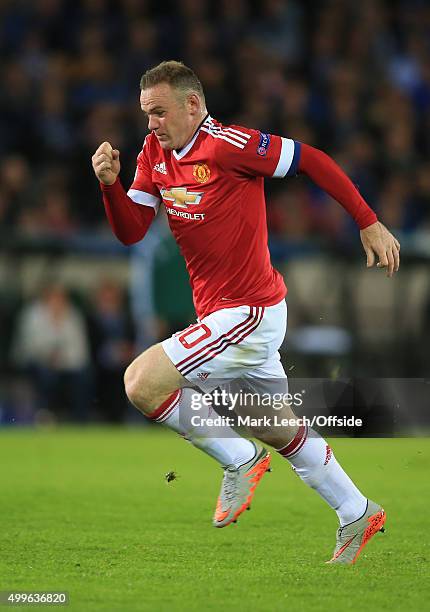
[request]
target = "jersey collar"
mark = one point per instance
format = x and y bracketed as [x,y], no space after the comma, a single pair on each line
[180,153]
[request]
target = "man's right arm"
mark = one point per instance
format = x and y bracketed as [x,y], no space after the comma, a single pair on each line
[129,220]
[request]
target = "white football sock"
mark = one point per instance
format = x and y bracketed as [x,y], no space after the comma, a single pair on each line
[222,443]
[313,460]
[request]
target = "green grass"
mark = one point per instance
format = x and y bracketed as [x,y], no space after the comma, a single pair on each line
[89,511]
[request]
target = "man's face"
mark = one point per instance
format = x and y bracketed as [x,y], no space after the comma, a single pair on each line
[171,118]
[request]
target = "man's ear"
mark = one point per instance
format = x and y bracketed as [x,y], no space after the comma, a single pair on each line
[194,103]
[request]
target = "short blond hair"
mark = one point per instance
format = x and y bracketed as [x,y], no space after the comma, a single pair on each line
[175,74]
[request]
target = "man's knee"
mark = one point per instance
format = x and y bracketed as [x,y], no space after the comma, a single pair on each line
[150,379]
[134,383]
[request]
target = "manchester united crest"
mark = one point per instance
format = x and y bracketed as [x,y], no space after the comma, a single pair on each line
[201,173]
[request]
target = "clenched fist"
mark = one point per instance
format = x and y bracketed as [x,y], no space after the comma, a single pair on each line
[106,163]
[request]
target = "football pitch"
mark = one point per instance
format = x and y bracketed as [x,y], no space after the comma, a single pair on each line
[88,511]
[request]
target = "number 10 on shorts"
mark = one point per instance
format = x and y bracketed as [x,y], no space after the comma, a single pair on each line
[193,335]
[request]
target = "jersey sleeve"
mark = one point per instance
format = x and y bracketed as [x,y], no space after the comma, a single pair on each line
[142,190]
[253,153]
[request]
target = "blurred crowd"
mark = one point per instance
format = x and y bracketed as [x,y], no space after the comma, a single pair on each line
[68,356]
[352,78]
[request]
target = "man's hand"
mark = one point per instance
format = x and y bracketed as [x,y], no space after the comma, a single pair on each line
[106,163]
[377,240]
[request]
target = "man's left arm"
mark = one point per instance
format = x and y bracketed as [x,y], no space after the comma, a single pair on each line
[375,237]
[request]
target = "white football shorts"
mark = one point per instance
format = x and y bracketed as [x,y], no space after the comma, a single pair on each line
[230,343]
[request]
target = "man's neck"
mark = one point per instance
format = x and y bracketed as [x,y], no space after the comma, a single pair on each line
[196,126]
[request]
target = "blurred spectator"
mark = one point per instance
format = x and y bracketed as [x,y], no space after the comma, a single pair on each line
[278,29]
[113,348]
[14,188]
[54,130]
[51,217]
[51,346]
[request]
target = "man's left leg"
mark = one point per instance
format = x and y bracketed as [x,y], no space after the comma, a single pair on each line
[313,461]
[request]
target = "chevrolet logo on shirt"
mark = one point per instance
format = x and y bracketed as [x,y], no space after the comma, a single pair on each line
[180,197]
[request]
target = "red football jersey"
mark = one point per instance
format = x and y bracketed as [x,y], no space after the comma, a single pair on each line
[213,192]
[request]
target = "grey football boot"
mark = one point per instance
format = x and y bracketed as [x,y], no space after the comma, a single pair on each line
[352,538]
[238,487]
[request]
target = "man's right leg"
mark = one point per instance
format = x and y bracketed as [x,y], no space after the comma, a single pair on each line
[156,388]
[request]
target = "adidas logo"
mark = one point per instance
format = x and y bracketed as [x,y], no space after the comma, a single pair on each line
[203,375]
[328,454]
[161,167]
